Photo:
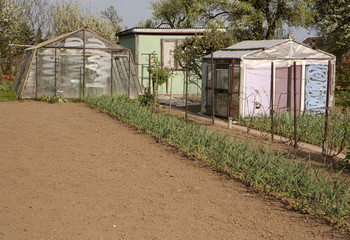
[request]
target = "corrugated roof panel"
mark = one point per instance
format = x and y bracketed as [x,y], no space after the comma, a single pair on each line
[229,54]
[252,45]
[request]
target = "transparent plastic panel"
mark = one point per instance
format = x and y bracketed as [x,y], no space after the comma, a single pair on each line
[97,72]
[27,87]
[45,72]
[221,104]
[121,76]
[73,41]
[95,41]
[222,79]
[22,71]
[135,88]
[69,69]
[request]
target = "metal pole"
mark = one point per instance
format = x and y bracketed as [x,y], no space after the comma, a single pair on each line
[271,100]
[111,73]
[295,105]
[36,73]
[149,72]
[186,88]
[212,87]
[129,77]
[10,62]
[324,147]
[80,84]
[231,93]
[171,91]
[84,53]
[55,71]
[155,95]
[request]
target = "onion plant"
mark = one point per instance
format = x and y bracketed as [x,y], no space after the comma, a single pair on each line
[304,187]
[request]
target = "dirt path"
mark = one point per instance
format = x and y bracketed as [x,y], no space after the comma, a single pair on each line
[71,172]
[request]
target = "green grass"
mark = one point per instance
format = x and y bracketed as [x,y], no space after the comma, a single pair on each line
[305,188]
[8,96]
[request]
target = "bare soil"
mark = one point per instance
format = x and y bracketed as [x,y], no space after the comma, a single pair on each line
[71,172]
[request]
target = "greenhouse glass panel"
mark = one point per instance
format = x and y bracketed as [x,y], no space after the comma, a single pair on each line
[45,72]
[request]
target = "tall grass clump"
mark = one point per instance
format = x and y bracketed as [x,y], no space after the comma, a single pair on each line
[305,188]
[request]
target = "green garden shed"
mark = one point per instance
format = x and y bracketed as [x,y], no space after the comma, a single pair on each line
[162,41]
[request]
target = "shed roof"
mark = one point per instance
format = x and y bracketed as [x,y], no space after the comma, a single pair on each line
[283,49]
[165,31]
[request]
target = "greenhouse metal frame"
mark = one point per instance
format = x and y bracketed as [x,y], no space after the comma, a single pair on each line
[77,64]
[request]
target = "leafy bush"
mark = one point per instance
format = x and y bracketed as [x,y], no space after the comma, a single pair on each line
[6,84]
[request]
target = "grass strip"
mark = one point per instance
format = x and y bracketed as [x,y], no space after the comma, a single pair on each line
[305,188]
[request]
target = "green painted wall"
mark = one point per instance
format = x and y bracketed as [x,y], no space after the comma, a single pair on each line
[149,44]
[129,41]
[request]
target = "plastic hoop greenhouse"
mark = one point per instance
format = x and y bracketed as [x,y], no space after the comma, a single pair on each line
[75,65]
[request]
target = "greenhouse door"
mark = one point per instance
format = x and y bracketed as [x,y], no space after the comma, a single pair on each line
[221,90]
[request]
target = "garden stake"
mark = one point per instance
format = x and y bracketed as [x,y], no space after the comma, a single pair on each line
[271,101]
[295,105]
[324,145]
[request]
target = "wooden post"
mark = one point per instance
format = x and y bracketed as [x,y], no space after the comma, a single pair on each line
[231,93]
[10,61]
[212,86]
[289,90]
[324,145]
[295,105]
[171,91]
[55,71]
[84,63]
[186,110]
[271,100]
[129,76]
[112,73]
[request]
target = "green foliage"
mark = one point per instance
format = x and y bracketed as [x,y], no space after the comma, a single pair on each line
[333,23]
[249,19]
[146,99]
[6,93]
[158,72]
[192,49]
[304,187]
[6,85]
[8,96]
[51,99]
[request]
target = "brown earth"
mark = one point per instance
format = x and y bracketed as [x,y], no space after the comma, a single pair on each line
[71,172]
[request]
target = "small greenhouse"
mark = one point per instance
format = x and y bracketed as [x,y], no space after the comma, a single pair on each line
[77,64]
[263,77]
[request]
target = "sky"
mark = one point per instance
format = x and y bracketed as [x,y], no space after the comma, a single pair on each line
[132,11]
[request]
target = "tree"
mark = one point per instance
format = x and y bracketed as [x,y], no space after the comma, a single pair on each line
[36,15]
[260,19]
[250,19]
[177,13]
[112,16]
[192,49]
[13,29]
[70,16]
[334,24]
